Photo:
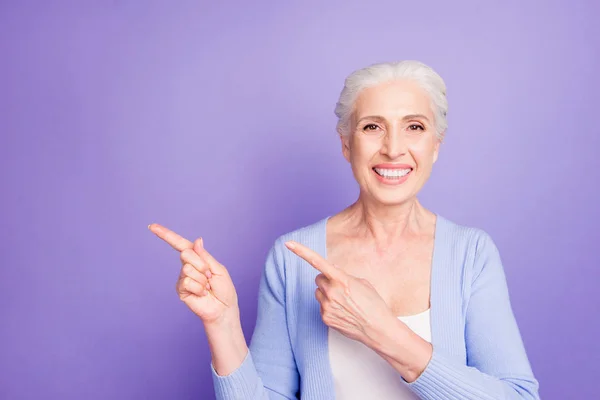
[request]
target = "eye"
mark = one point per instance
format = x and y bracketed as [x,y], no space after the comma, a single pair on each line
[370,127]
[416,127]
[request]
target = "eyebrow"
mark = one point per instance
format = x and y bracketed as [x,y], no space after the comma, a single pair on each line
[405,118]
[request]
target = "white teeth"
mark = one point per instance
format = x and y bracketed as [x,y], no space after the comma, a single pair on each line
[392,173]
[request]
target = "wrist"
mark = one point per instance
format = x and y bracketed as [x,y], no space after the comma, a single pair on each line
[226,332]
[406,351]
[388,336]
[230,319]
[227,343]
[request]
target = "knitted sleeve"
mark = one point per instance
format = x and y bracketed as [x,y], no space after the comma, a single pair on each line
[497,365]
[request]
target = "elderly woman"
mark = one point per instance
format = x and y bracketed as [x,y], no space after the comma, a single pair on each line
[384,300]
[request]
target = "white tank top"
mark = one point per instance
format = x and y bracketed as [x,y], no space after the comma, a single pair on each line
[359,373]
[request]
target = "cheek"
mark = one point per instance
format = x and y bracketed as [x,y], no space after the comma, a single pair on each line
[423,150]
[363,151]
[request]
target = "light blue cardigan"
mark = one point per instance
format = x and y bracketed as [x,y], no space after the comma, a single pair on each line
[478,352]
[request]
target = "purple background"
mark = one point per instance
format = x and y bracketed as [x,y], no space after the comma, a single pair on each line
[218,121]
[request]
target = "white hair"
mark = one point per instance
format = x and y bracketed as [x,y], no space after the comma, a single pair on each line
[377,74]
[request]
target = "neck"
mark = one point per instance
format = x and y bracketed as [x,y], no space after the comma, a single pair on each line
[389,223]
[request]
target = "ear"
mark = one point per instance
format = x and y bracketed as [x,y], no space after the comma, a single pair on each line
[436,149]
[345,140]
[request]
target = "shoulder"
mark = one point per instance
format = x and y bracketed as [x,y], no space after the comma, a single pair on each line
[460,236]
[471,247]
[313,231]
[312,235]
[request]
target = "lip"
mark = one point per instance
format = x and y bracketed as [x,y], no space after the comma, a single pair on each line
[392,182]
[393,166]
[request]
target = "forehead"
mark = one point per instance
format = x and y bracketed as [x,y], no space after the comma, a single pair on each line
[393,100]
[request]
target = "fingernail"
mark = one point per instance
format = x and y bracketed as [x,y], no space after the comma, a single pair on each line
[149,226]
[208,286]
[208,274]
[290,245]
[201,242]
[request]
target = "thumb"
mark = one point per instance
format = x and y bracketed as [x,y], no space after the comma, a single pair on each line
[198,245]
[214,266]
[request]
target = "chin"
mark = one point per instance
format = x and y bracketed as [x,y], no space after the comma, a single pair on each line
[392,198]
[396,201]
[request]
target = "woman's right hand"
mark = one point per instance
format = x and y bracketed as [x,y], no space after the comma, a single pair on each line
[204,284]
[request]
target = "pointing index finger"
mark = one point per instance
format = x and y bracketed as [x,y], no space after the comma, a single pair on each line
[176,241]
[314,259]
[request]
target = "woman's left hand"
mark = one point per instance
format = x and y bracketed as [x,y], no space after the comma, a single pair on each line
[349,304]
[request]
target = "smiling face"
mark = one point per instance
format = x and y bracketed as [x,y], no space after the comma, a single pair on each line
[392,144]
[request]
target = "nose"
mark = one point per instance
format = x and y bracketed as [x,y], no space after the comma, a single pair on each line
[394,144]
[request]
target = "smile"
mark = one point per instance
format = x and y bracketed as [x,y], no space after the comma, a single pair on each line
[392,173]
[392,176]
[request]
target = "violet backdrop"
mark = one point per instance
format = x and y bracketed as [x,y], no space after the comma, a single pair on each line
[216,120]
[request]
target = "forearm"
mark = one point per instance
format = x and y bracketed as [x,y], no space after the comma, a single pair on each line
[227,343]
[434,376]
[403,349]
[234,373]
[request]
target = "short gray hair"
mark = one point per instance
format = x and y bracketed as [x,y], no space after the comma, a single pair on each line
[376,74]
